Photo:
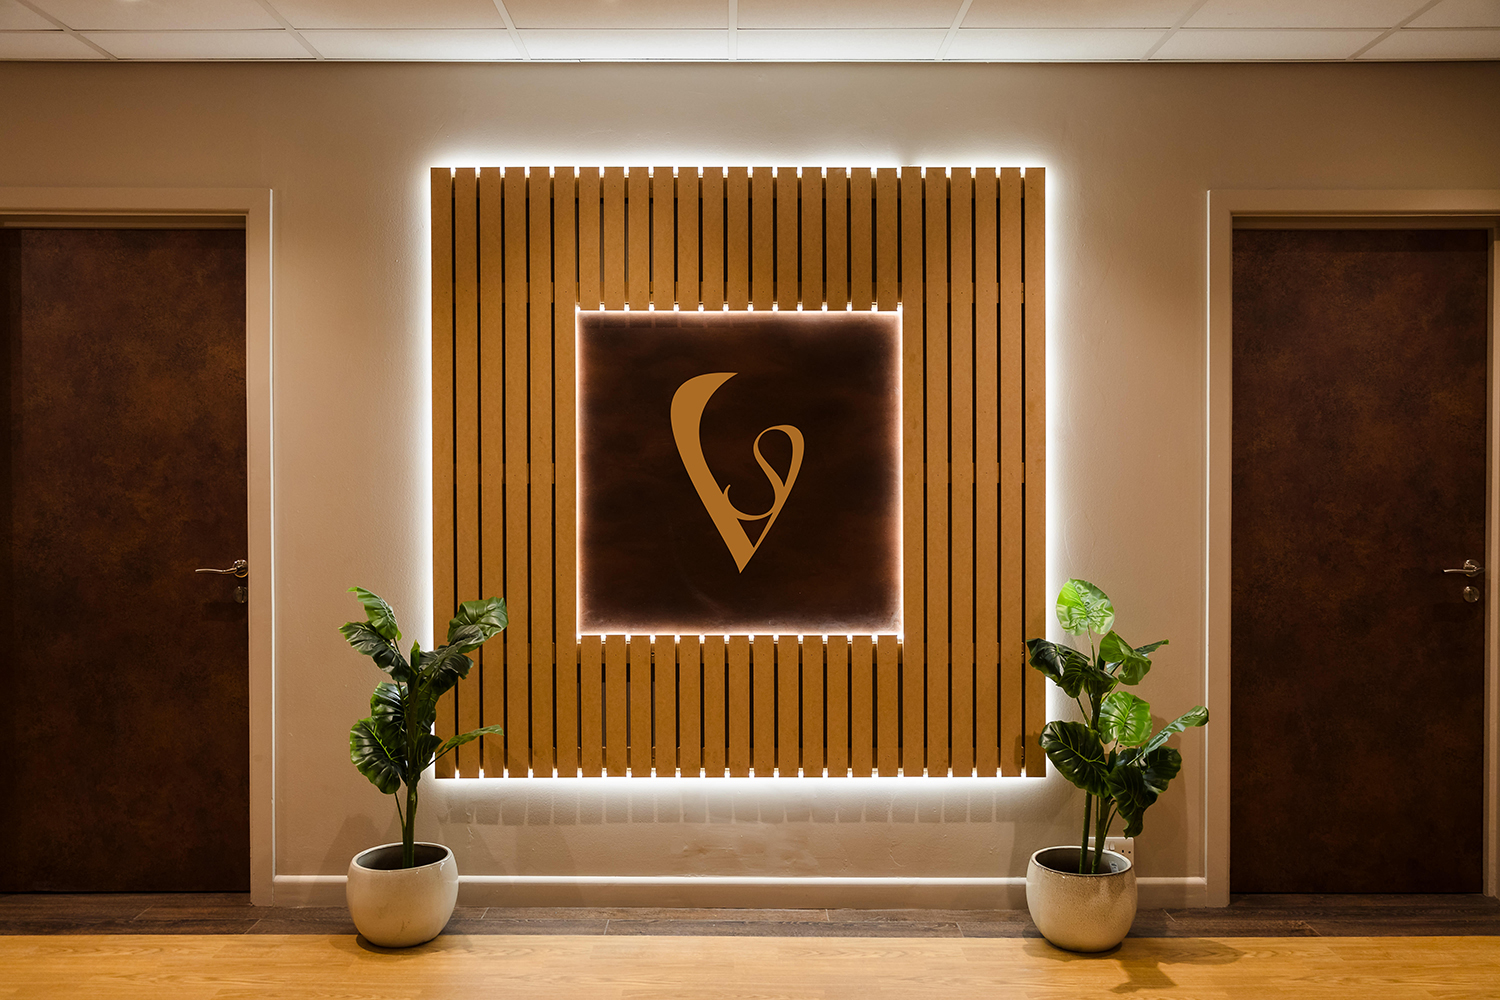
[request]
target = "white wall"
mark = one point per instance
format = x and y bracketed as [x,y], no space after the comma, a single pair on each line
[1131,151]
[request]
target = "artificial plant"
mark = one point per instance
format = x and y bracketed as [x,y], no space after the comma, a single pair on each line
[395,745]
[1112,756]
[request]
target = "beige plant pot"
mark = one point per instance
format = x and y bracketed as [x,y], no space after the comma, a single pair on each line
[396,907]
[1080,912]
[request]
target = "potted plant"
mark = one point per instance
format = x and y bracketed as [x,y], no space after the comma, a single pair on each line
[403,894]
[1084,898]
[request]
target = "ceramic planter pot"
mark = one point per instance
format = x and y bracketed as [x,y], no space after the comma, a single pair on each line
[396,907]
[1080,912]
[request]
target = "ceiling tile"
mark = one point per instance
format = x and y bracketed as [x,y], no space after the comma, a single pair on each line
[1212,44]
[859,44]
[1302,13]
[427,46]
[251,44]
[1076,13]
[1052,44]
[390,13]
[14,17]
[619,13]
[847,13]
[1449,43]
[1461,14]
[168,15]
[625,44]
[43,45]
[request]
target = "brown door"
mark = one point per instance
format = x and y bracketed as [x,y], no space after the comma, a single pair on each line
[126,704]
[1360,360]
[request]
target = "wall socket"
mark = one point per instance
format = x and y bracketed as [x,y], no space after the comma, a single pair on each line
[1121,845]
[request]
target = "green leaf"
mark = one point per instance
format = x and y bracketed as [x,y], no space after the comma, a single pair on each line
[373,747]
[387,656]
[1067,667]
[442,668]
[473,734]
[382,618]
[1083,607]
[1124,719]
[1078,755]
[1197,716]
[1150,647]
[476,621]
[385,705]
[1133,664]
[1138,779]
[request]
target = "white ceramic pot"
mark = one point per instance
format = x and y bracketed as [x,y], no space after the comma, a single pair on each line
[397,907]
[1080,912]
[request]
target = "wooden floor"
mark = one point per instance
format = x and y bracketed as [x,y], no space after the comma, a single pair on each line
[603,967]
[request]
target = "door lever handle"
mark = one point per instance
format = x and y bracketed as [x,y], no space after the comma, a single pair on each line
[241,568]
[1470,568]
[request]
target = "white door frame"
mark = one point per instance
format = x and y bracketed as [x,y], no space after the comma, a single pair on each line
[1223,207]
[254,206]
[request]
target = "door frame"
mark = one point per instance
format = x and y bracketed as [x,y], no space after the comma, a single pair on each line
[253,205]
[1360,208]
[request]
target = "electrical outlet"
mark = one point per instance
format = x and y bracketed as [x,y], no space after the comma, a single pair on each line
[1121,845]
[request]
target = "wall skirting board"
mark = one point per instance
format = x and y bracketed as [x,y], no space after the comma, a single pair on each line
[1007,893]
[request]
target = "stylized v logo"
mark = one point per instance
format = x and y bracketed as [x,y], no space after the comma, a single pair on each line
[687,415]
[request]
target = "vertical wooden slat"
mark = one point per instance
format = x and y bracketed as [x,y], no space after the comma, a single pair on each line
[1012,452]
[590,204]
[612,237]
[914,508]
[442,434]
[887,239]
[788,705]
[961,490]
[836,237]
[737,238]
[639,694]
[688,293]
[987,697]
[939,464]
[689,706]
[664,724]
[616,722]
[836,705]
[812,238]
[638,236]
[737,706]
[1035,588]
[480,375]
[715,739]
[814,704]
[591,706]
[663,238]
[517,557]
[888,736]
[565,628]
[712,196]
[862,708]
[539,223]
[762,238]
[787,241]
[763,703]
[861,238]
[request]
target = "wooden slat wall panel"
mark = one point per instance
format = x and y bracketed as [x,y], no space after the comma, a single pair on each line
[515,251]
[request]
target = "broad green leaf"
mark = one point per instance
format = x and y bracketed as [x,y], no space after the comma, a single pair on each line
[373,747]
[1197,716]
[1083,607]
[1124,719]
[1138,779]
[473,734]
[442,668]
[1150,647]
[387,656]
[1133,664]
[426,744]
[385,705]
[477,621]
[1078,755]
[382,618]
[1067,667]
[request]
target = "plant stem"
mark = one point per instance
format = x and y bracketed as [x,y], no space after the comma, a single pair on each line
[409,828]
[1100,832]
[1083,850]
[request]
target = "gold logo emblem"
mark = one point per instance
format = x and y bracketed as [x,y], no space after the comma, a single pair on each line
[687,416]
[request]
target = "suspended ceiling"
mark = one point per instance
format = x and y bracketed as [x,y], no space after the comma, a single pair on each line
[721,30]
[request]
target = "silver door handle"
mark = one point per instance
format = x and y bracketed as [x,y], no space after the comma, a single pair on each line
[241,568]
[1470,568]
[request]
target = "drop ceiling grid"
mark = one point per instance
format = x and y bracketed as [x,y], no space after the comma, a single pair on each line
[718,30]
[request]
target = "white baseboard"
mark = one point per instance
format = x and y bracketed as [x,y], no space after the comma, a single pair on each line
[1008,893]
